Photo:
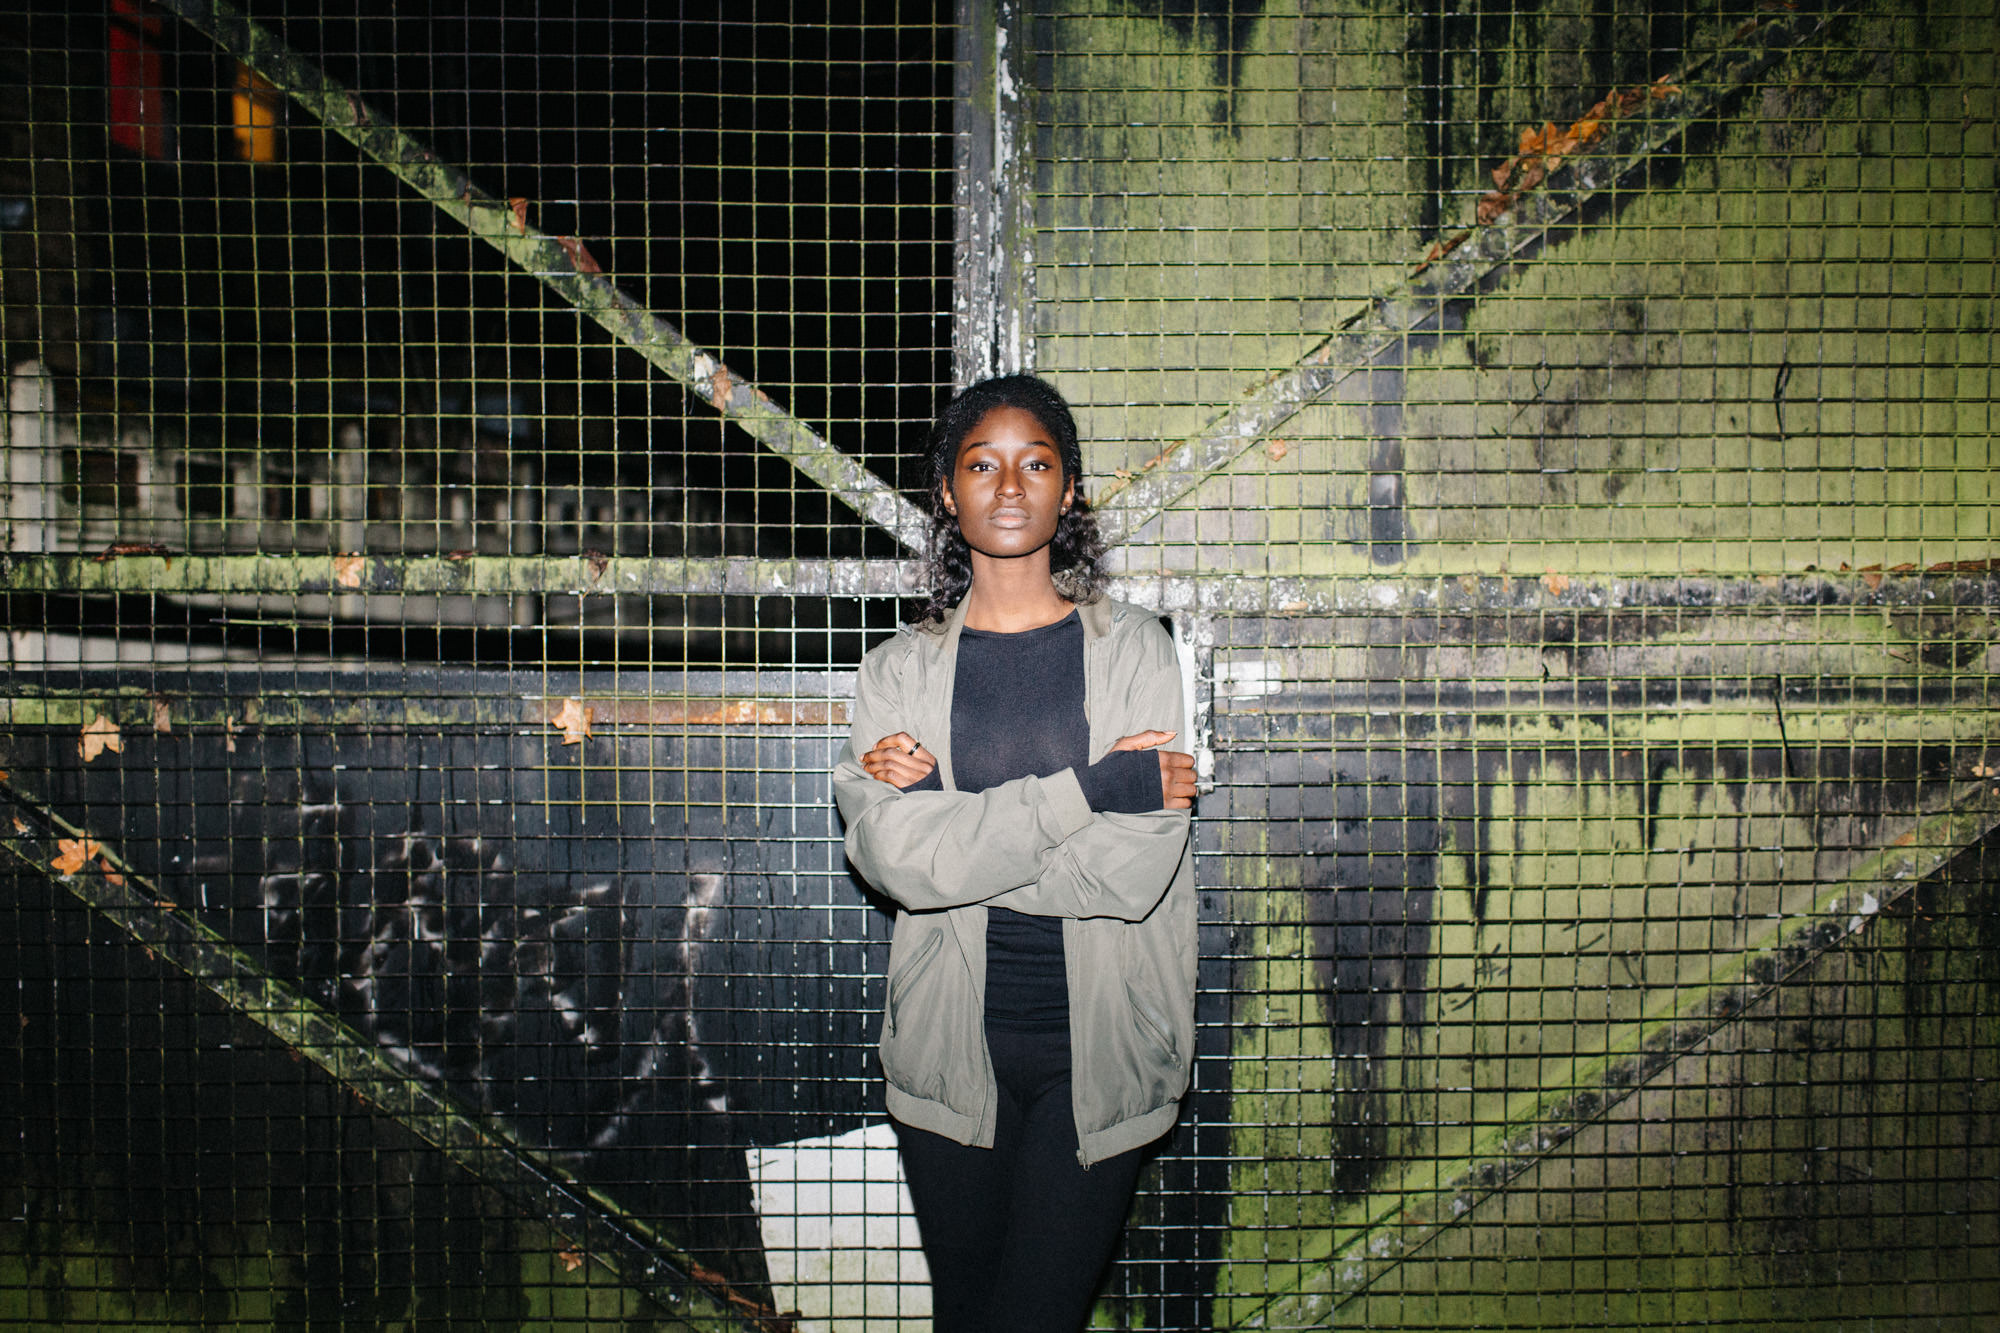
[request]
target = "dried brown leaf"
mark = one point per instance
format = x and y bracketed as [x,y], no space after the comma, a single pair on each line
[347,570]
[1557,584]
[99,734]
[163,719]
[519,206]
[118,549]
[110,874]
[573,721]
[1276,450]
[719,385]
[572,1259]
[579,257]
[75,855]
[1442,248]
[1492,204]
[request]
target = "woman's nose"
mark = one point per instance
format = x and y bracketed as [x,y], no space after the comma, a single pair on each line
[1010,482]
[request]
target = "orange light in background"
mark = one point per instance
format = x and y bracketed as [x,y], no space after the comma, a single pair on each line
[255,105]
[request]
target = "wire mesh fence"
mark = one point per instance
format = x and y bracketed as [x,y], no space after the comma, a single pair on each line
[457,456]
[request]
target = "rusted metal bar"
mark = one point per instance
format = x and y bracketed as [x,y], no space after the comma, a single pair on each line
[91,870]
[562,264]
[1455,269]
[358,576]
[1973,584]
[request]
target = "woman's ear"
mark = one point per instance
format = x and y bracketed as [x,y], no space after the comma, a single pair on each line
[1069,494]
[946,498]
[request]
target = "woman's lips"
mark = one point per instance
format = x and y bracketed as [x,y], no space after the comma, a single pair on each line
[1010,518]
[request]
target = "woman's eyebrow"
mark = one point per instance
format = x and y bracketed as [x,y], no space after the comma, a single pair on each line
[994,444]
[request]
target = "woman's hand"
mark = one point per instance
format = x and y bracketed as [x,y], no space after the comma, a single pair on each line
[898,760]
[1176,769]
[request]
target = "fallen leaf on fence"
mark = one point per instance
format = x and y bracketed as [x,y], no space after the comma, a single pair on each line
[347,570]
[99,734]
[572,1259]
[573,721]
[719,385]
[75,855]
[111,876]
[1557,584]
[1442,248]
[598,562]
[117,549]
[578,256]
[519,205]
[229,733]
[1276,450]
[163,721]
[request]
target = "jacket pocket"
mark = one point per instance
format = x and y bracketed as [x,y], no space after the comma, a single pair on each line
[917,1054]
[1153,1025]
[906,976]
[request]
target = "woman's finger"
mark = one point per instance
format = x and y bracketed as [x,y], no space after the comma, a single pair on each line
[1144,740]
[1177,789]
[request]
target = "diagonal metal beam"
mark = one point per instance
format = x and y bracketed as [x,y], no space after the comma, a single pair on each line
[559,263]
[1397,1220]
[1416,307]
[640,1258]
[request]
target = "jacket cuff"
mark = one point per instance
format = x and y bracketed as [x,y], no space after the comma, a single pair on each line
[1066,802]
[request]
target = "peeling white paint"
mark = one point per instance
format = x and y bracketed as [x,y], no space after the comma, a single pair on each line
[1247,677]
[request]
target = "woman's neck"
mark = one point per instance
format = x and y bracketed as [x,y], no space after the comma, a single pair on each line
[1008,596]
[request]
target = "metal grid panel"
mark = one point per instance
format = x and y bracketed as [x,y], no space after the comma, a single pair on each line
[1588,570]
[1624,486]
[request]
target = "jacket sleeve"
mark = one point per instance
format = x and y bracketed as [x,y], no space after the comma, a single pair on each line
[1034,840]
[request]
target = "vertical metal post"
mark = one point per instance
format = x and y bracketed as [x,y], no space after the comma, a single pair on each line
[994,272]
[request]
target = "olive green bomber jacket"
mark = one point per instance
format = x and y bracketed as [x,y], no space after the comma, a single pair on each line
[1124,885]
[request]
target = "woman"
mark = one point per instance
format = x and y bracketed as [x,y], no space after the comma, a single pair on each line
[1007,785]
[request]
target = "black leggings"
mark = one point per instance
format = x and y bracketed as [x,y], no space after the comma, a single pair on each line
[1017,1235]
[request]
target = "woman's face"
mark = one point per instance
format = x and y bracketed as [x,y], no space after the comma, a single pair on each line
[1007,488]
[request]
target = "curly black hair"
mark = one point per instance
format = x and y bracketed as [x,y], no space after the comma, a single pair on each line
[1076,550]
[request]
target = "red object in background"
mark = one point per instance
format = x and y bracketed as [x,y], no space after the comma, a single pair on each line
[141,119]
